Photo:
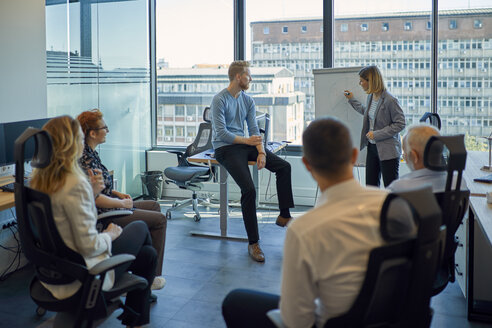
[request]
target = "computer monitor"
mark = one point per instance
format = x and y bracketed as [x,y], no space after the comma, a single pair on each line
[9,132]
[263,121]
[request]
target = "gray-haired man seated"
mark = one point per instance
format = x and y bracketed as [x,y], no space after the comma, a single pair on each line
[414,142]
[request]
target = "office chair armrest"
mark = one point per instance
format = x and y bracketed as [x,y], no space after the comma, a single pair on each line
[181,159]
[111,263]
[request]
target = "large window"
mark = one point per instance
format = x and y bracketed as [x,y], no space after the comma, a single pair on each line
[284,42]
[194,46]
[283,62]
[464,75]
[98,57]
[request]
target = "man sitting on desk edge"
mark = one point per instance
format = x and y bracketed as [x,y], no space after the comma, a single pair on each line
[230,108]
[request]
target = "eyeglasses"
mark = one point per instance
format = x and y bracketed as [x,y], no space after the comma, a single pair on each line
[102,128]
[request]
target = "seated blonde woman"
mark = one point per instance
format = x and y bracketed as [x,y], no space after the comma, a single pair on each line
[95,130]
[75,215]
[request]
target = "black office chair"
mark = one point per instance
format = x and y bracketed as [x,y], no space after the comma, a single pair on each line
[191,176]
[397,287]
[448,153]
[53,261]
[433,119]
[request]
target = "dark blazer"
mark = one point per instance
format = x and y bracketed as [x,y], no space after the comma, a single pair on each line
[389,121]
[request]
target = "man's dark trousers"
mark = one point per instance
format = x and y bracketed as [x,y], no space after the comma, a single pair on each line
[235,160]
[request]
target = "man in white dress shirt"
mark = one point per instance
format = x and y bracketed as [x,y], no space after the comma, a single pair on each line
[414,142]
[326,250]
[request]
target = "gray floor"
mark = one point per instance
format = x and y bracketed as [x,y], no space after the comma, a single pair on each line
[200,272]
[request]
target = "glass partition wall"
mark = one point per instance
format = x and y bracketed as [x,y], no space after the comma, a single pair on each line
[98,57]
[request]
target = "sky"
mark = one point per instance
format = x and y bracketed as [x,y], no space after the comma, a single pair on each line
[193,32]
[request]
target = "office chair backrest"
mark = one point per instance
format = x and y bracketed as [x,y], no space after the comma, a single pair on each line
[203,139]
[448,153]
[207,115]
[263,121]
[433,119]
[202,142]
[55,263]
[397,287]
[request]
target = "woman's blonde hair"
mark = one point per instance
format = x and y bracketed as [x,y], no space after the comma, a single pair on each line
[373,75]
[67,149]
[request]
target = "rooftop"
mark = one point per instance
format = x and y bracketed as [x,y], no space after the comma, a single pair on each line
[460,12]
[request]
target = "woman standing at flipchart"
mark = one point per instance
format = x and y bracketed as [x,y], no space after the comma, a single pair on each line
[382,123]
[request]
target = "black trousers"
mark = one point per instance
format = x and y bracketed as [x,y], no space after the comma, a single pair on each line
[244,308]
[235,160]
[375,167]
[148,211]
[135,239]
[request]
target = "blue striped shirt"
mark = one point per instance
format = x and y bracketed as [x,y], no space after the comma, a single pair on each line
[228,116]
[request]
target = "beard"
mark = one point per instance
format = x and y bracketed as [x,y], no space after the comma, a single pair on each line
[243,86]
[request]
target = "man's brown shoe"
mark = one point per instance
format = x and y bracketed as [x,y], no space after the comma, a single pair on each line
[256,253]
[282,222]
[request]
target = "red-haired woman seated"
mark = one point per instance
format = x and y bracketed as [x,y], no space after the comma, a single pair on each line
[95,130]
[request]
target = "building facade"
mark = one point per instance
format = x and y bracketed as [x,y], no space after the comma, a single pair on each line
[184,93]
[400,45]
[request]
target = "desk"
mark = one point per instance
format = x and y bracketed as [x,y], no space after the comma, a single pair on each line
[6,198]
[479,238]
[204,157]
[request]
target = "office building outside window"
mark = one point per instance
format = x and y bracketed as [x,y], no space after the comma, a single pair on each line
[405,62]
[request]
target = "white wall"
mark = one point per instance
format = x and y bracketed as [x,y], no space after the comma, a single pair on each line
[22,80]
[22,60]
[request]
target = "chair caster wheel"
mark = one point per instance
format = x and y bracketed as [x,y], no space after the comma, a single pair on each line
[168,215]
[197,218]
[40,311]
